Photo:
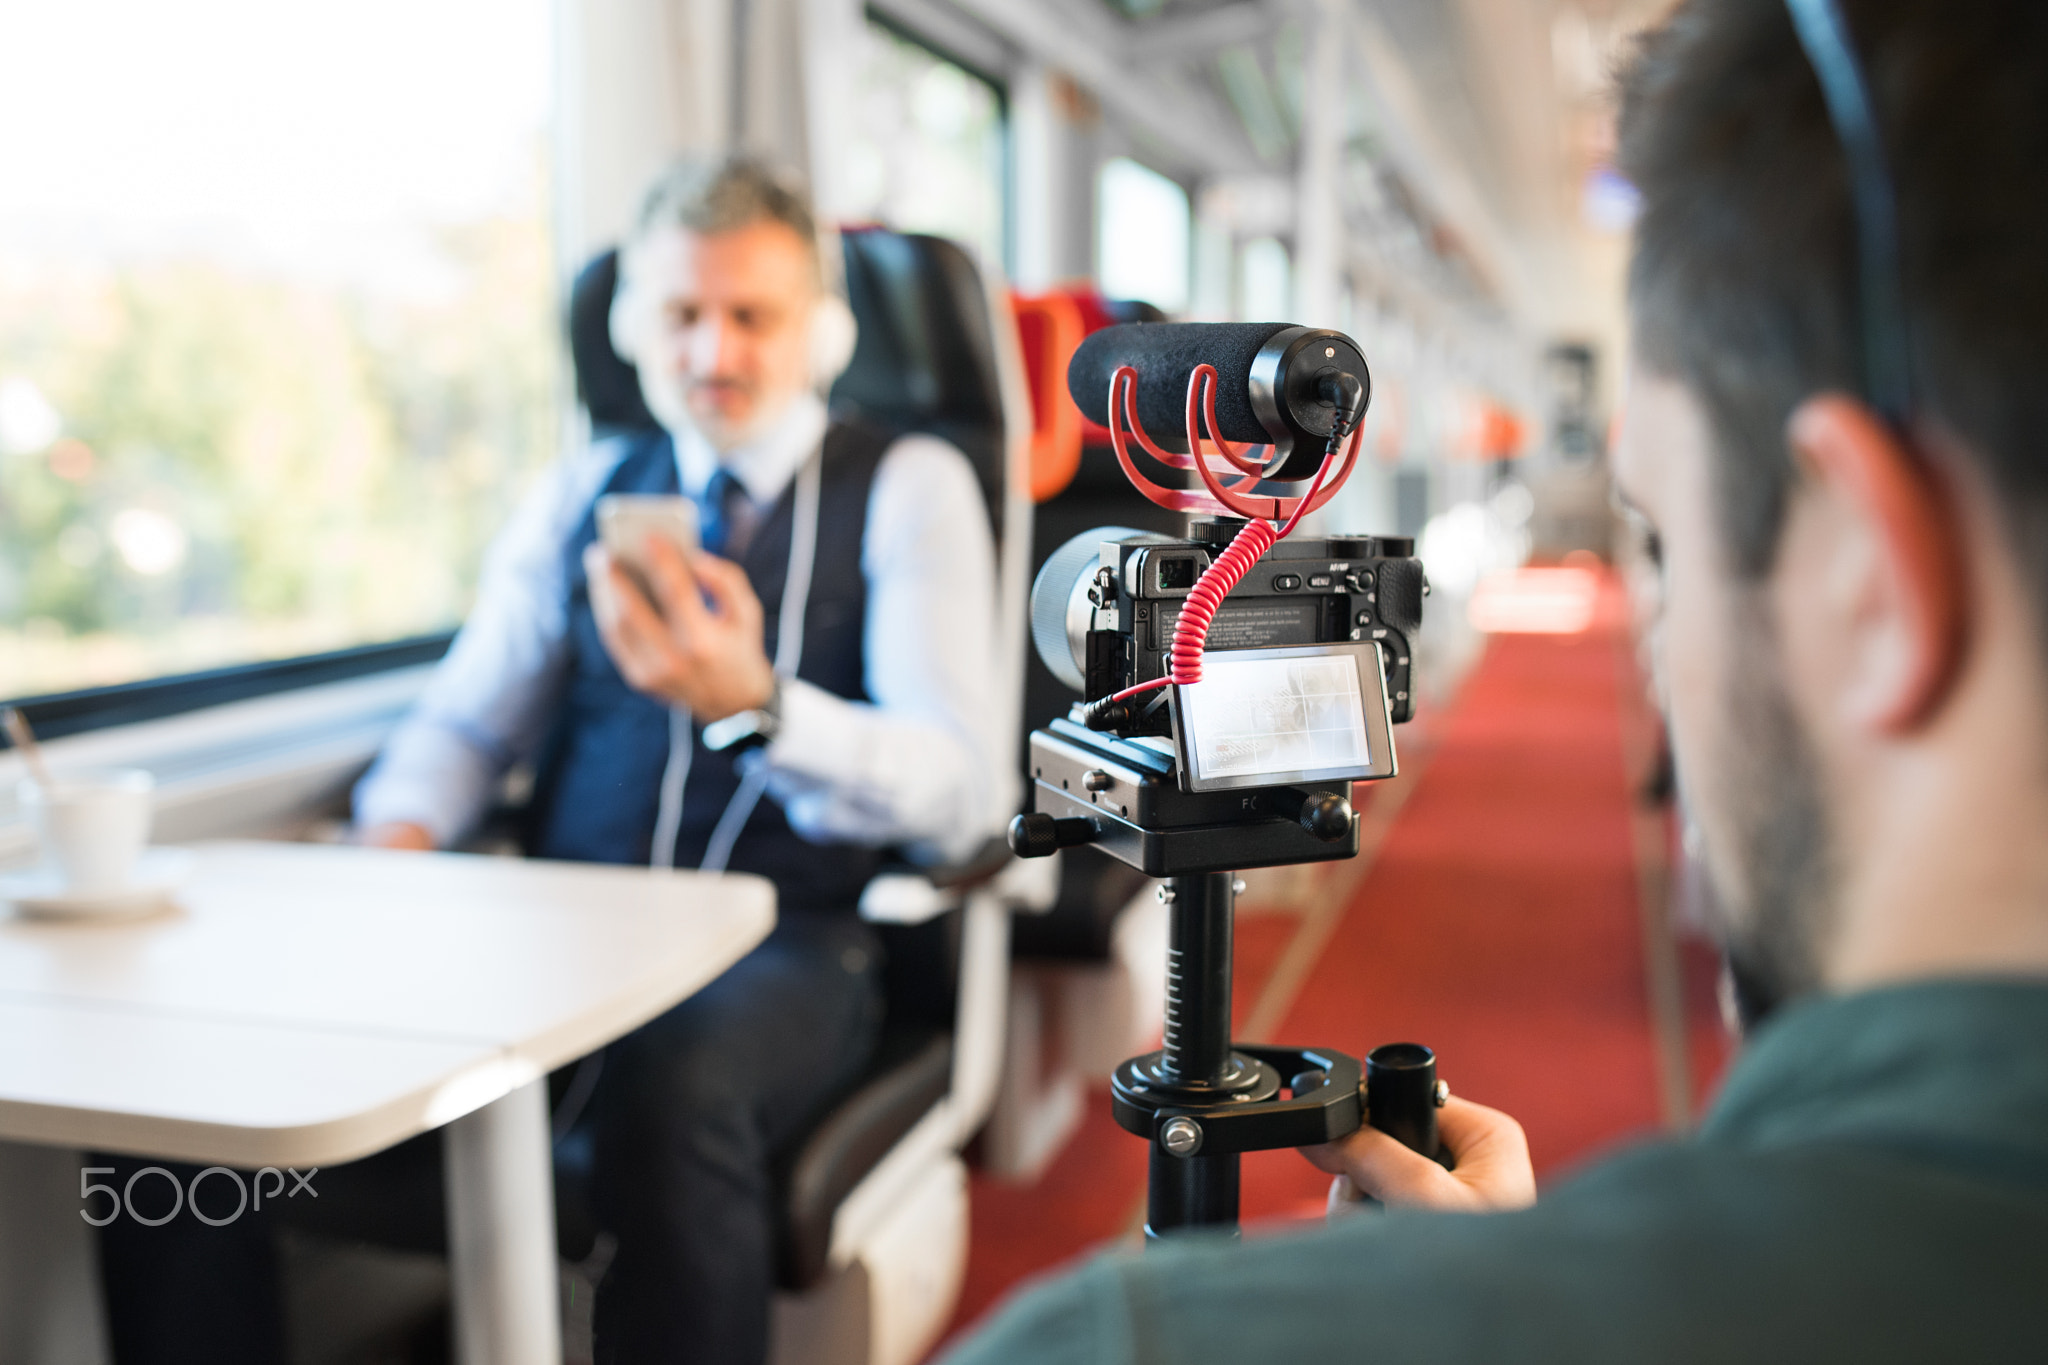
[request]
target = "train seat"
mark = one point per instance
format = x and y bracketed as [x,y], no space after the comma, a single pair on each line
[1087,986]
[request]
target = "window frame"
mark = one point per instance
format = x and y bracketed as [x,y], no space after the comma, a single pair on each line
[998,82]
[904,26]
[1134,157]
[54,715]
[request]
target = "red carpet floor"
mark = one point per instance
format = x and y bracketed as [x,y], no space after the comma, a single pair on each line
[1500,922]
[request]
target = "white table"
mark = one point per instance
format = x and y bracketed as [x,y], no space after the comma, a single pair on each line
[306,1005]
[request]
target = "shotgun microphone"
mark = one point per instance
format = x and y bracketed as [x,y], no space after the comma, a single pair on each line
[1275,382]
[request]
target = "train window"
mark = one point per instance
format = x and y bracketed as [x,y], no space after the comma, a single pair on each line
[276,324]
[926,150]
[1142,236]
[1265,280]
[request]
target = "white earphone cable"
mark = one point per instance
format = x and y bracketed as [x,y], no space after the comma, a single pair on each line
[789,650]
[668,817]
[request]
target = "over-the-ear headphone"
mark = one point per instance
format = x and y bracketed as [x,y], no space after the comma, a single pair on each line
[627,321]
[834,334]
[1873,202]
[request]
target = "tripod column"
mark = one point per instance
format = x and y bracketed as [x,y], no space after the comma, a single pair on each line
[1196,1190]
[1198,979]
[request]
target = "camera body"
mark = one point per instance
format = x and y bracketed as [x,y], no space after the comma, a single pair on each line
[1116,620]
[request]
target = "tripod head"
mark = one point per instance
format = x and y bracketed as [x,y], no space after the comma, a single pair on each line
[1190,763]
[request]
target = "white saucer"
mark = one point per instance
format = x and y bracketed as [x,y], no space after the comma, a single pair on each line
[158,873]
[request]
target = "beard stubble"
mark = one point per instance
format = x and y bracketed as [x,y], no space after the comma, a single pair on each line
[1773,921]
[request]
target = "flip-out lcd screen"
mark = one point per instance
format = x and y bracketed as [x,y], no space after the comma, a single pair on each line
[1267,717]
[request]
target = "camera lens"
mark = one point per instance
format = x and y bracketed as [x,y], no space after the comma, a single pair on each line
[1061,614]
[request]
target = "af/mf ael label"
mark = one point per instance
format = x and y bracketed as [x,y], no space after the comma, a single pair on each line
[1257,624]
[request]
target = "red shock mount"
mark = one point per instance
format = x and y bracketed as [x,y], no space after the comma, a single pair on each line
[1267,519]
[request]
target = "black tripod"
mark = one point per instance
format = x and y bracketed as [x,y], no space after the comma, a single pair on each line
[1200,1101]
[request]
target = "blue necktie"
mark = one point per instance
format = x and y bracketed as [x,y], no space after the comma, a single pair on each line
[722,513]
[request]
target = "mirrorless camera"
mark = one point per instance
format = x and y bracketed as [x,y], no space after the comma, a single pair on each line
[1104,608]
[1234,685]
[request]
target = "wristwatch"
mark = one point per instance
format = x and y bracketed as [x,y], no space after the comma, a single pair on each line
[745,730]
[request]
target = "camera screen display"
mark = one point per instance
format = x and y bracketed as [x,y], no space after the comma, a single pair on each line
[1264,717]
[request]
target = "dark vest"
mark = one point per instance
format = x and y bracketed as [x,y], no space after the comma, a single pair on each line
[599,788]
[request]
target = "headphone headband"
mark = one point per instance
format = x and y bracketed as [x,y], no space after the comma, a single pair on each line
[1881,281]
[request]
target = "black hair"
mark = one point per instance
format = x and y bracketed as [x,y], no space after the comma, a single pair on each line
[1743,285]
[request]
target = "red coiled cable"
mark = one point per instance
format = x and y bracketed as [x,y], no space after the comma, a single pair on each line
[1226,571]
[1191,631]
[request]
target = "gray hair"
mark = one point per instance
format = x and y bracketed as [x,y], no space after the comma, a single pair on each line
[723,196]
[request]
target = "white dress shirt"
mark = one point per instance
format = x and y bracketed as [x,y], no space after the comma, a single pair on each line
[923,764]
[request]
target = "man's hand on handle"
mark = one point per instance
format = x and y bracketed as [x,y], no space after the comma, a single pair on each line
[697,644]
[1493,1171]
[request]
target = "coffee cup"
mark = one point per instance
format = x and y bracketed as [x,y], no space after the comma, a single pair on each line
[93,826]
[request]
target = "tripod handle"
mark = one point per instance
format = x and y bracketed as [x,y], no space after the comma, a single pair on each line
[1035,835]
[1402,1095]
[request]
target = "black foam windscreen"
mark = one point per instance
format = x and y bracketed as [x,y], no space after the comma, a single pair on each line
[1164,354]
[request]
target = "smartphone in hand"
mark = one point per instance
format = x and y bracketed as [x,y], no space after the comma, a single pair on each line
[626,521]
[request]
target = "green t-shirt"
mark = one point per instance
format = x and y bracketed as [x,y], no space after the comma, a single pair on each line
[1872,1185]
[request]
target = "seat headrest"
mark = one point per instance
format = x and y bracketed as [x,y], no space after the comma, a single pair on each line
[925,359]
[607,384]
[926,351]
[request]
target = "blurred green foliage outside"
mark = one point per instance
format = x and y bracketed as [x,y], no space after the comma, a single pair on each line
[208,465]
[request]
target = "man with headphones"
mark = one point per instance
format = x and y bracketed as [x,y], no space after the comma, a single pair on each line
[805,690]
[802,692]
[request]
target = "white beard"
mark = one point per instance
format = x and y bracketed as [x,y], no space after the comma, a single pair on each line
[670,409]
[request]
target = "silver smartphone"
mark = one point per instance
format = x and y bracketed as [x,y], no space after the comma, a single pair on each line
[626,521]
